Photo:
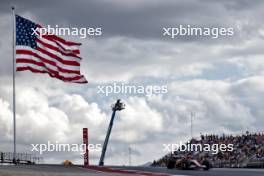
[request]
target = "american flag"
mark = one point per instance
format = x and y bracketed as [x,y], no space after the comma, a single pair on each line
[47,54]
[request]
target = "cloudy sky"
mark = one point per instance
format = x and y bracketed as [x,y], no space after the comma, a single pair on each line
[221,80]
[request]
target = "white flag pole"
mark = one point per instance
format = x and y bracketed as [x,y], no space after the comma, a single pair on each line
[14,81]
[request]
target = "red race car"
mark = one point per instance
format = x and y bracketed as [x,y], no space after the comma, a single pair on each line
[187,163]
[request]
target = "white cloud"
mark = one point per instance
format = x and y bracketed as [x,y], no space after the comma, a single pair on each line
[39,122]
[137,121]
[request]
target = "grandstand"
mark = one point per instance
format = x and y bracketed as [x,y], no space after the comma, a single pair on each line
[22,158]
[248,151]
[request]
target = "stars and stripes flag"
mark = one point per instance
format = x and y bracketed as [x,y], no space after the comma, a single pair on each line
[48,54]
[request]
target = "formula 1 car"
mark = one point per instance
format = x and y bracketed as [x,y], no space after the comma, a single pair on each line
[185,163]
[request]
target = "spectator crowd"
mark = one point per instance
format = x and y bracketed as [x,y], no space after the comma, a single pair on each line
[247,147]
